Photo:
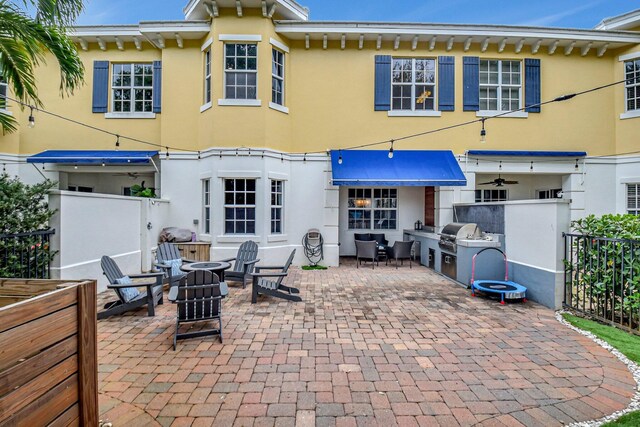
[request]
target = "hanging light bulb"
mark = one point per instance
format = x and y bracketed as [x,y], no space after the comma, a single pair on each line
[500,166]
[117,142]
[220,153]
[391,150]
[304,158]
[167,154]
[199,155]
[531,167]
[476,162]
[75,167]
[32,120]
[281,158]
[577,167]
[262,155]
[236,151]
[4,168]
[340,157]
[483,133]
[103,165]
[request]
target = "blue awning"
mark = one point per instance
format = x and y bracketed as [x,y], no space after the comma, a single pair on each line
[92,157]
[498,153]
[406,168]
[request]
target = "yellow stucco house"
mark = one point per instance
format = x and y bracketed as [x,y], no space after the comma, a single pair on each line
[252,121]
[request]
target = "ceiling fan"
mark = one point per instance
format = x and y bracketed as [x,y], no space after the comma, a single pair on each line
[498,182]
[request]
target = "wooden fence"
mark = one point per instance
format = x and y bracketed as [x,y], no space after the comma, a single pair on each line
[48,353]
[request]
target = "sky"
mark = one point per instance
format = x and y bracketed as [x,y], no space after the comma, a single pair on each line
[551,13]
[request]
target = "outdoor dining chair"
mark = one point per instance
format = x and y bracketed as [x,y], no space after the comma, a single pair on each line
[399,251]
[129,297]
[366,250]
[271,283]
[244,263]
[198,299]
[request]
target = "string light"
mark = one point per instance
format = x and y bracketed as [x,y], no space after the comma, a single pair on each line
[4,168]
[236,152]
[476,162]
[199,155]
[340,157]
[483,132]
[75,167]
[531,167]
[32,119]
[500,167]
[117,142]
[577,167]
[281,158]
[167,154]
[262,155]
[391,150]
[103,165]
[220,153]
[304,158]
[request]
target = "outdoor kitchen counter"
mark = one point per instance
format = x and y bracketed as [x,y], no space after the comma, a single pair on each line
[431,255]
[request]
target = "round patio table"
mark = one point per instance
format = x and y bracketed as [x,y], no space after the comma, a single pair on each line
[217,267]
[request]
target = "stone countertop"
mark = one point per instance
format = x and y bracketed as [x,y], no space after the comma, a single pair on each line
[470,243]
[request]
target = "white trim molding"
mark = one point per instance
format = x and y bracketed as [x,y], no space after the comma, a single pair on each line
[278,107]
[205,107]
[240,37]
[279,45]
[278,176]
[129,115]
[226,174]
[409,113]
[236,238]
[514,115]
[628,56]
[277,238]
[206,44]
[240,102]
[630,114]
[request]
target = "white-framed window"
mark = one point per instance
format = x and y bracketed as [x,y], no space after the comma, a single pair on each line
[241,70]
[80,188]
[132,88]
[500,85]
[633,199]
[240,206]
[632,85]
[555,193]
[277,206]
[206,206]
[207,76]
[373,208]
[277,77]
[3,93]
[413,84]
[494,195]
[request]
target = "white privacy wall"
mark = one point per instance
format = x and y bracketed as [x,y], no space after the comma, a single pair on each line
[88,226]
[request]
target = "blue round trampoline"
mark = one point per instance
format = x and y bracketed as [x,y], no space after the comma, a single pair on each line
[506,289]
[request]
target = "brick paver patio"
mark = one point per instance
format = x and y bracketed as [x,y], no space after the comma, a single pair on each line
[381,347]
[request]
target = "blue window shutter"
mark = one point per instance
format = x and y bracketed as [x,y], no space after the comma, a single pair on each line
[471,83]
[446,83]
[157,86]
[383,83]
[532,85]
[100,86]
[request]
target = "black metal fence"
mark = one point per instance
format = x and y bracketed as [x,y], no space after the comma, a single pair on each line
[602,279]
[26,255]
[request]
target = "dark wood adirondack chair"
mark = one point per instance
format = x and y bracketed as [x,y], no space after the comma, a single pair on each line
[198,299]
[244,263]
[151,297]
[274,287]
[166,252]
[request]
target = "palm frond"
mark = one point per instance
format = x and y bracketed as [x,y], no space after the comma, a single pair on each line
[8,123]
[62,13]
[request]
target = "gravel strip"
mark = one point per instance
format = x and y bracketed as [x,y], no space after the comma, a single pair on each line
[633,368]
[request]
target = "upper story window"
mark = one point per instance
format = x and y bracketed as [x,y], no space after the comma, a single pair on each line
[132,88]
[500,85]
[277,77]
[241,70]
[240,206]
[413,82]
[207,76]
[633,199]
[632,85]
[491,195]
[3,93]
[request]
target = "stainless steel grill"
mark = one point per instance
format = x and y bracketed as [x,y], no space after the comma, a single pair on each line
[455,231]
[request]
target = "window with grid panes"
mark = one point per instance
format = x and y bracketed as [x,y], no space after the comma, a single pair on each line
[633,199]
[207,76]
[132,88]
[500,85]
[240,206]
[413,84]
[373,208]
[277,77]
[277,206]
[632,85]
[549,194]
[206,206]
[496,195]
[241,70]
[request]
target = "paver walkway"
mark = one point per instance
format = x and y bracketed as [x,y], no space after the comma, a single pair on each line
[366,347]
